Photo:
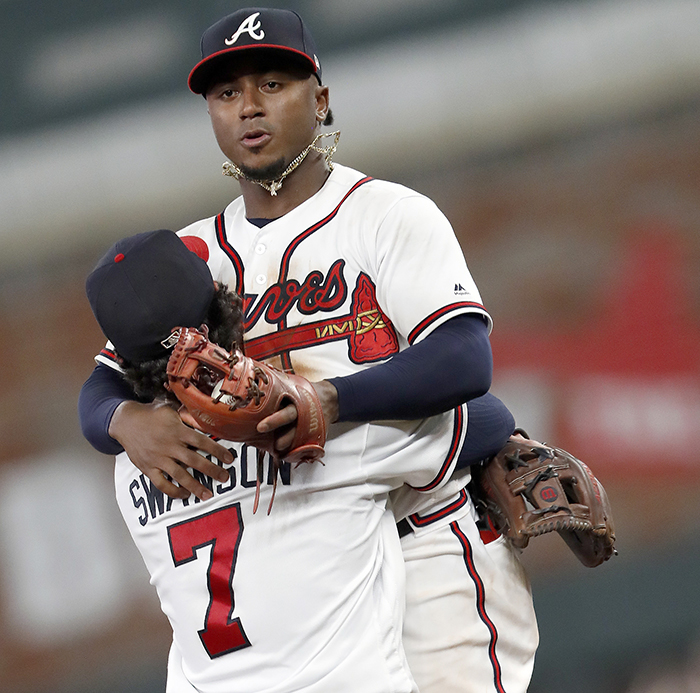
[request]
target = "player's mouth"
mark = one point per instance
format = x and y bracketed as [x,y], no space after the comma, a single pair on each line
[255,138]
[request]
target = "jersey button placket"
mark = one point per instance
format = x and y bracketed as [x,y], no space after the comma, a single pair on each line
[258,262]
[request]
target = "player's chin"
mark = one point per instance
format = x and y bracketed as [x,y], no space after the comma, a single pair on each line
[263,172]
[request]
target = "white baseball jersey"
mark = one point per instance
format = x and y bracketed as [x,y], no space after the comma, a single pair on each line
[308,598]
[312,595]
[356,273]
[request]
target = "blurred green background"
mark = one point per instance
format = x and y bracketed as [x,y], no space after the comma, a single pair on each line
[561,138]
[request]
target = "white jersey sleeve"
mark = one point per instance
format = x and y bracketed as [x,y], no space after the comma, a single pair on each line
[422,277]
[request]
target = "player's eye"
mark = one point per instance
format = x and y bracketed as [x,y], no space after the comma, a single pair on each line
[225,91]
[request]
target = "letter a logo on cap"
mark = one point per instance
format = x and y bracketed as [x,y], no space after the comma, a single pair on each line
[248,26]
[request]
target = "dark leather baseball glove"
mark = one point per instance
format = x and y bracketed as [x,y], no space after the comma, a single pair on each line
[530,488]
[228,394]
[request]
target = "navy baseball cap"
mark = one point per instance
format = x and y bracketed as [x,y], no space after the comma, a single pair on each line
[254,28]
[143,287]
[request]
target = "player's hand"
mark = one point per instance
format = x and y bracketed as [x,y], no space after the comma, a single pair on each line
[283,421]
[161,446]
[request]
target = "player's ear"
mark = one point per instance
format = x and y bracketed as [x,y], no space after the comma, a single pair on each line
[322,103]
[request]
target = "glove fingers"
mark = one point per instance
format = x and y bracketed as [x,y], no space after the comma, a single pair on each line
[529,489]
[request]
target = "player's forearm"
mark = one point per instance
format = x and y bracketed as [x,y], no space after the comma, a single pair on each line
[100,395]
[328,396]
[450,366]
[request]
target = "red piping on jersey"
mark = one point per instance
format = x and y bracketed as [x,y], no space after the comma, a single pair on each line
[487,535]
[457,436]
[281,338]
[423,520]
[481,604]
[228,249]
[440,313]
[284,265]
[109,354]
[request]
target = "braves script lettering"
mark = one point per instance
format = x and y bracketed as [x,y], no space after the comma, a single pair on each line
[315,294]
[248,26]
[368,331]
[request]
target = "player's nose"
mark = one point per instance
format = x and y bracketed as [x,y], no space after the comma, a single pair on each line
[251,105]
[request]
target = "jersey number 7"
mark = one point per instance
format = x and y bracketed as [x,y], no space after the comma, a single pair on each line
[221,529]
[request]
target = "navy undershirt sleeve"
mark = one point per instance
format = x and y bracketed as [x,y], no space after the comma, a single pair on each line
[489,425]
[452,365]
[100,395]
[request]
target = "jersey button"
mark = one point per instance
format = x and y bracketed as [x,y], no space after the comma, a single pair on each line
[261,279]
[260,248]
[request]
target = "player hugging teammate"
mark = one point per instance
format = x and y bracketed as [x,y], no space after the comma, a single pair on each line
[358,286]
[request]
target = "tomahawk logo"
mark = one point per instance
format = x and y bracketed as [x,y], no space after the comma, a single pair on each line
[249,26]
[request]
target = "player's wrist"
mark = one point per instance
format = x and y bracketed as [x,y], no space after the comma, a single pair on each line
[328,396]
[122,417]
[116,423]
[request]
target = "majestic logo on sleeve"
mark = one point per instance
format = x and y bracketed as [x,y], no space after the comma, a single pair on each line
[368,331]
[248,26]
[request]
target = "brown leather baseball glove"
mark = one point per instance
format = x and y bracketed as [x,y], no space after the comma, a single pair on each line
[530,488]
[228,394]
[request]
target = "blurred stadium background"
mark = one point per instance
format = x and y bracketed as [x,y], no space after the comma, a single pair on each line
[562,139]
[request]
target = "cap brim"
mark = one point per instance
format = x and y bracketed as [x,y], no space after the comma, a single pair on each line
[202,73]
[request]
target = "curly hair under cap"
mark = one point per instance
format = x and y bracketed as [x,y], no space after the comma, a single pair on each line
[224,319]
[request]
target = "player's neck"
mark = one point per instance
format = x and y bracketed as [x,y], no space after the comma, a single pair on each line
[297,187]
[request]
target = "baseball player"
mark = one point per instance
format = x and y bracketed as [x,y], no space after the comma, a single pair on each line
[216,564]
[360,286]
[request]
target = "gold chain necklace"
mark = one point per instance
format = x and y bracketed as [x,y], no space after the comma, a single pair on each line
[272,186]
